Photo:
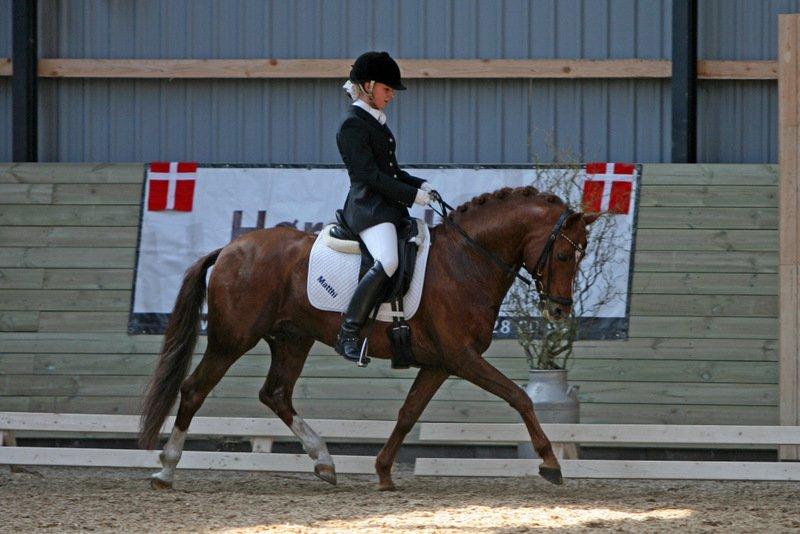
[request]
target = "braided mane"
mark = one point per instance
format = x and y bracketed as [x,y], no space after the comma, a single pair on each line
[504,193]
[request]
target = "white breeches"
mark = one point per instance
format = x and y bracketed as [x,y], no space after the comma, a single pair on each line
[381,241]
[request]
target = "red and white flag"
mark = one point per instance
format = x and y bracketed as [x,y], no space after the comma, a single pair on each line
[170,185]
[608,188]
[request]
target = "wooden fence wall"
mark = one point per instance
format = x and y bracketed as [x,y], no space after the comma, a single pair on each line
[704,326]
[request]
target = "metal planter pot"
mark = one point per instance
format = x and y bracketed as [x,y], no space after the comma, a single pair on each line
[554,401]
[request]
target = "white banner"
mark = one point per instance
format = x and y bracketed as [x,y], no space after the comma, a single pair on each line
[190,210]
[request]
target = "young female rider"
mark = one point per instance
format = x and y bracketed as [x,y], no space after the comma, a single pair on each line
[379,191]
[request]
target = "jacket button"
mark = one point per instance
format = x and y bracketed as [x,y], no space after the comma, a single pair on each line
[394,175]
[391,140]
[391,152]
[391,164]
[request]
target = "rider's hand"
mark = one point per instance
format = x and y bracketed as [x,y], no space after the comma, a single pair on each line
[423,198]
[426,186]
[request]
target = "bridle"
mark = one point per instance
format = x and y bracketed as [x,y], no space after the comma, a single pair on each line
[545,258]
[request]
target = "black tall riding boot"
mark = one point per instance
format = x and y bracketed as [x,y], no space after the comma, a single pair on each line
[365,298]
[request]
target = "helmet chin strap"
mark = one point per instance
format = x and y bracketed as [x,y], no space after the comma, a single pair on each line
[370,97]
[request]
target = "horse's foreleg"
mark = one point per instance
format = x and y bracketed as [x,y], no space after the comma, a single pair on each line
[481,373]
[422,390]
[288,357]
[194,390]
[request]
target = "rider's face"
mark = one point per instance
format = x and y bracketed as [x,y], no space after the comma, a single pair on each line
[382,94]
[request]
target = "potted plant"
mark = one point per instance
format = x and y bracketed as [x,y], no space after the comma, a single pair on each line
[548,345]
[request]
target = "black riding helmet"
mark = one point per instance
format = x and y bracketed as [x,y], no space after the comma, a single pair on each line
[378,67]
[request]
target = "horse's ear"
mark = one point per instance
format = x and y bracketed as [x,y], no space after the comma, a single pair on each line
[589,218]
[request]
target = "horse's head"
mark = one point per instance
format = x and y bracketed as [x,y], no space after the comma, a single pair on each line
[554,264]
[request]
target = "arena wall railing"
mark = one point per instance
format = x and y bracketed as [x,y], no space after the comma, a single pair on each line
[262,431]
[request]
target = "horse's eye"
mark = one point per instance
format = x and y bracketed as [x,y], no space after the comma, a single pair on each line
[562,257]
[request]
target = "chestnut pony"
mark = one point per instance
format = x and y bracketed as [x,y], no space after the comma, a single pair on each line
[257,290]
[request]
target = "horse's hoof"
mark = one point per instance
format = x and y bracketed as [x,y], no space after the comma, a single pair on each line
[157,483]
[326,472]
[386,486]
[551,474]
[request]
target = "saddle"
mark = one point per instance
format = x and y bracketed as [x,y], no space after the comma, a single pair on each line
[342,239]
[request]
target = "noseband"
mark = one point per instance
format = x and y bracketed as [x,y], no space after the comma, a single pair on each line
[546,260]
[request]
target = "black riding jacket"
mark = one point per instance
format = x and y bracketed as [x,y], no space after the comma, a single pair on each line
[379,190]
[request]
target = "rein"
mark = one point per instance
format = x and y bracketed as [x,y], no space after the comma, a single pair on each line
[499,262]
[545,258]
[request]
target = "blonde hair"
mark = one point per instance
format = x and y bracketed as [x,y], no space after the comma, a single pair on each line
[356,90]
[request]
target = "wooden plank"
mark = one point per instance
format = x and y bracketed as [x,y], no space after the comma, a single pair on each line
[236,461]
[82,321]
[68,236]
[704,283]
[737,70]
[708,327]
[789,209]
[703,240]
[709,174]
[737,196]
[21,278]
[717,218]
[19,321]
[26,193]
[208,426]
[327,367]
[617,434]
[614,469]
[333,68]
[67,257]
[436,68]
[81,215]
[641,304]
[686,305]
[705,262]
[493,412]
[77,173]
[88,278]
[475,411]
[65,299]
[390,389]
[98,194]
[697,414]
[635,348]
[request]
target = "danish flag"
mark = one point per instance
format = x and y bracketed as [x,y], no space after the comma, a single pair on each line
[170,186]
[608,187]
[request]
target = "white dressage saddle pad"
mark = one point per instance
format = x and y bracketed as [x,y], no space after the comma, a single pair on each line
[333,274]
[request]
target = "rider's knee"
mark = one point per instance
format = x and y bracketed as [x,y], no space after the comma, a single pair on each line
[390,265]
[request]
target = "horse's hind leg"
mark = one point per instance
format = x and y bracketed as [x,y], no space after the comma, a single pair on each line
[289,354]
[194,390]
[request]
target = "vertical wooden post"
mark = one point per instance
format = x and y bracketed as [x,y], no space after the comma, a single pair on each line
[788,98]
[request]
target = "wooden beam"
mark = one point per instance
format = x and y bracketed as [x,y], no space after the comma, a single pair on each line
[614,469]
[619,434]
[237,461]
[412,68]
[789,214]
[209,426]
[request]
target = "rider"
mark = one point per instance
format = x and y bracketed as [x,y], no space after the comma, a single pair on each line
[379,192]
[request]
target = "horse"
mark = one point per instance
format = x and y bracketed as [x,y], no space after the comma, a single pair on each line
[257,290]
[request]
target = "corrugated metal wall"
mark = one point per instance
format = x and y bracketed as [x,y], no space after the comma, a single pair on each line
[461,121]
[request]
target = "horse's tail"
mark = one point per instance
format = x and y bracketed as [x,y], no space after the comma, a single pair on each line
[179,342]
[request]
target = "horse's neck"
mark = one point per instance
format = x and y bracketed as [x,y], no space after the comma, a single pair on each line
[501,240]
